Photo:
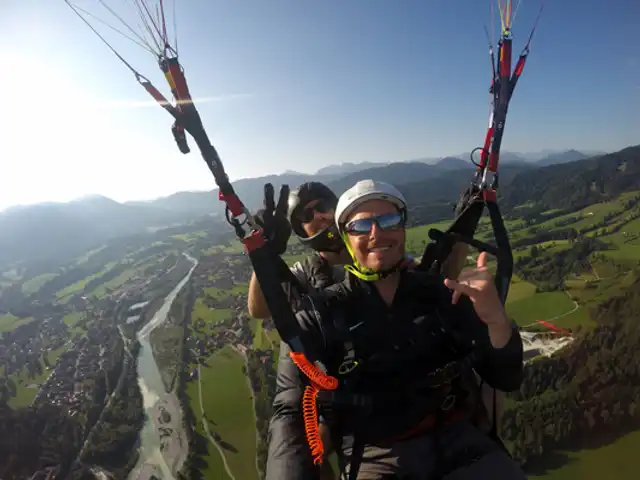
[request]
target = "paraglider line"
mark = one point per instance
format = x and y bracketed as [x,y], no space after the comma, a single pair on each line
[142,43]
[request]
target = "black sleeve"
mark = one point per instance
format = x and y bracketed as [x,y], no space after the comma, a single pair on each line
[293,281]
[289,455]
[501,368]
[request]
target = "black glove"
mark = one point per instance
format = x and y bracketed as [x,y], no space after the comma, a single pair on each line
[273,219]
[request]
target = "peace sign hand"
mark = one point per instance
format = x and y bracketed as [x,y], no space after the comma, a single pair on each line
[478,284]
[273,219]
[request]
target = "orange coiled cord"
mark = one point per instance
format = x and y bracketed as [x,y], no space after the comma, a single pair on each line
[311,426]
[319,380]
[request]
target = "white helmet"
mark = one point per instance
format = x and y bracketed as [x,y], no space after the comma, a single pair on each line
[363,191]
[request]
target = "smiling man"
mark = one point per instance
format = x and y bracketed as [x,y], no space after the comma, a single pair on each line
[404,346]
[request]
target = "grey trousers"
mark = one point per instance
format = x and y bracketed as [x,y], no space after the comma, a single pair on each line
[415,458]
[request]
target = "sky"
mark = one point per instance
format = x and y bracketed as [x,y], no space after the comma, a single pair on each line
[297,85]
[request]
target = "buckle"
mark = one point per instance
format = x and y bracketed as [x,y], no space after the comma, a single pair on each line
[347,366]
[442,375]
[448,403]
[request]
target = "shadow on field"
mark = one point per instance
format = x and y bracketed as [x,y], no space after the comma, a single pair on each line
[548,462]
[557,456]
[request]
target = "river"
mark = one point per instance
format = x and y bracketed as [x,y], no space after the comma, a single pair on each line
[159,457]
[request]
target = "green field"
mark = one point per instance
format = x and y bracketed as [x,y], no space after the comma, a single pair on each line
[114,283]
[33,284]
[585,218]
[228,406]
[418,237]
[261,339]
[190,237]
[8,322]
[520,289]
[85,258]
[616,461]
[218,293]
[541,306]
[230,247]
[69,290]
[210,316]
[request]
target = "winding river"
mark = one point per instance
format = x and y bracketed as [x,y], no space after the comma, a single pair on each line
[164,456]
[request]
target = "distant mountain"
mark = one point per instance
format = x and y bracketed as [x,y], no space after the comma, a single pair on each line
[346,168]
[509,157]
[189,203]
[505,157]
[250,190]
[48,230]
[453,163]
[561,157]
[579,183]
[538,155]
[594,153]
[394,173]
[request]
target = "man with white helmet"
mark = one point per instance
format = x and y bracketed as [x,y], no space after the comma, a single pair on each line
[403,346]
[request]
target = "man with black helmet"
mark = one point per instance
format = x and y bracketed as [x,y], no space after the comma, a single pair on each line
[311,218]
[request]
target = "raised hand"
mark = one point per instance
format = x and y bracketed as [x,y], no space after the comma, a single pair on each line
[478,284]
[273,219]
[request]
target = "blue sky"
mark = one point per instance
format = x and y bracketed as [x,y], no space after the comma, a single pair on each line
[298,85]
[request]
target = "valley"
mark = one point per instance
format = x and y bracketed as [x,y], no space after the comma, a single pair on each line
[70,336]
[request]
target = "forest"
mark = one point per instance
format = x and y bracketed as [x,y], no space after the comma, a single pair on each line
[586,393]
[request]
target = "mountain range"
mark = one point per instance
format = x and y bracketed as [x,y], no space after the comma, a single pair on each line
[62,230]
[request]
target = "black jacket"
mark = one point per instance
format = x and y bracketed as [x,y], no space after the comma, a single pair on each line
[401,345]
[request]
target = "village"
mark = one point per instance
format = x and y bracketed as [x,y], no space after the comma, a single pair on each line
[23,347]
[221,273]
[78,370]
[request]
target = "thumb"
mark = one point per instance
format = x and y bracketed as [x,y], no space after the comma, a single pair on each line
[482,260]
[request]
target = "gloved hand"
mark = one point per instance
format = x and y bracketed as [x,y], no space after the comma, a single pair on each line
[273,219]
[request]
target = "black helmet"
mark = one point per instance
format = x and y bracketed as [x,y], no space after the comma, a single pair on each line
[327,239]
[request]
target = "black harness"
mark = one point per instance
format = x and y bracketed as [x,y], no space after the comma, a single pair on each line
[439,390]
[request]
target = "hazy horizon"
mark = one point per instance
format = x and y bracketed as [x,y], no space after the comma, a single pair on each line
[541,153]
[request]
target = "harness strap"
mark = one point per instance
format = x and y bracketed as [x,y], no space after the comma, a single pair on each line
[357,451]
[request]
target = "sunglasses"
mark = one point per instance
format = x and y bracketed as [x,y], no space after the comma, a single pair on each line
[362,226]
[308,213]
